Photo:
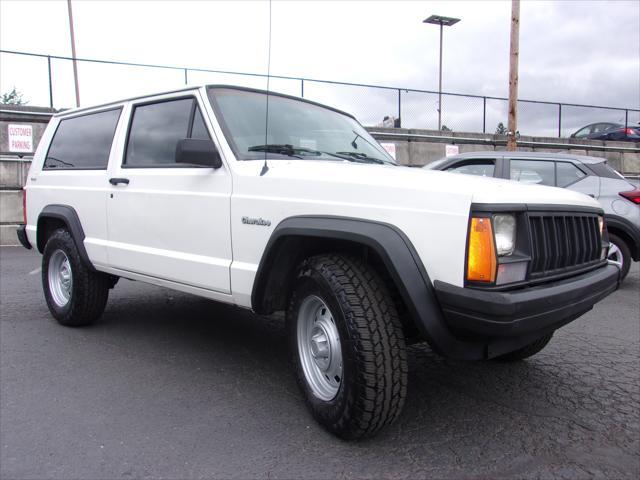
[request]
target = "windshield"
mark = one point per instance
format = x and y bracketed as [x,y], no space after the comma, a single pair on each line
[296,129]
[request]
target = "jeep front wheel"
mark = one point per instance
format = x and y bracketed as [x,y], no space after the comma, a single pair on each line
[348,346]
[75,295]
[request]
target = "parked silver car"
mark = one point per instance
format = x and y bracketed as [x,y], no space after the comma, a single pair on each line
[619,198]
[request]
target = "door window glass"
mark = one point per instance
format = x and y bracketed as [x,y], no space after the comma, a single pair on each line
[482,168]
[156,129]
[83,142]
[583,132]
[533,172]
[567,173]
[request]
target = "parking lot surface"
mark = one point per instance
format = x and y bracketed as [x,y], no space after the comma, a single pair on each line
[168,385]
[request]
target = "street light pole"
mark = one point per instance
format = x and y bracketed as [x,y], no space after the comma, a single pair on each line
[73,53]
[440,84]
[443,22]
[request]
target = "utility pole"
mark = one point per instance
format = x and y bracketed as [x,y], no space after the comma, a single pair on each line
[73,53]
[512,126]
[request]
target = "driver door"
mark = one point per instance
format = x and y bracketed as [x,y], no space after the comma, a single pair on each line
[166,220]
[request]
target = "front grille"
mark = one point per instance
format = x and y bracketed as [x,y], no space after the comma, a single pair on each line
[563,242]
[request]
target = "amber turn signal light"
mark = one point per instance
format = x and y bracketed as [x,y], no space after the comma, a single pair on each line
[481,259]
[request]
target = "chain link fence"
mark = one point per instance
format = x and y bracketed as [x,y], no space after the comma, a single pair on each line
[49,81]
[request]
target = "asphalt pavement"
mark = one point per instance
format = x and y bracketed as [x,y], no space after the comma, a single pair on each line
[167,385]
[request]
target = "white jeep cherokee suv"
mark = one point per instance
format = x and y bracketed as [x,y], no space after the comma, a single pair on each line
[303,212]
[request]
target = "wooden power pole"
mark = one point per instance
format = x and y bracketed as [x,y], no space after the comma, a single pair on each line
[513,75]
[73,53]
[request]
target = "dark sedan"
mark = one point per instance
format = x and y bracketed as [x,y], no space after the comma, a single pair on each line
[608,131]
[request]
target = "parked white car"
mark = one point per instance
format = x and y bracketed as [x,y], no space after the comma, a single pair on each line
[195,191]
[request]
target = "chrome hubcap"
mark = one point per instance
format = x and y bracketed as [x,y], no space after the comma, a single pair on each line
[60,278]
[319,348]
[615,255]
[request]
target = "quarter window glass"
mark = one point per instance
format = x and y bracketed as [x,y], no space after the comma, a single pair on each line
[603,170]
[567,173]
[155,131]
[83,142]
[482,168]
[533,172]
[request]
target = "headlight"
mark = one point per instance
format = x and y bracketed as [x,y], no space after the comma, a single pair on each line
[504,226]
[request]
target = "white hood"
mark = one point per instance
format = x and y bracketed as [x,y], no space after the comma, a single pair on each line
[387,179]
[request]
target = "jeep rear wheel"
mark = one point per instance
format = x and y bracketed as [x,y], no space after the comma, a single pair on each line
[348,346]
[75,295]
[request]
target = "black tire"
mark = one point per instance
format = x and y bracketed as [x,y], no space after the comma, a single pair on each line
[373,386]
[89,290]
[625,252]
[525,352]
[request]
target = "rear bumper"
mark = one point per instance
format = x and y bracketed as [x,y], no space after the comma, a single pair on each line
[478,314]
[22,237]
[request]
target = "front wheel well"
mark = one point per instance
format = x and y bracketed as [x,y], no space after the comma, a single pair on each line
[626,238]
[274,282]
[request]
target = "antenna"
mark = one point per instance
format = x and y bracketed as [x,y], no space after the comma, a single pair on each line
[265,167]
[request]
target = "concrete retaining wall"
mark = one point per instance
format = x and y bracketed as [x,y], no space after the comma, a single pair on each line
[14,166]
[420,147]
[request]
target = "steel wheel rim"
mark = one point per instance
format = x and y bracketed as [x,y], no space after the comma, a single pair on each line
[319,348]
[615,255]
[60,278]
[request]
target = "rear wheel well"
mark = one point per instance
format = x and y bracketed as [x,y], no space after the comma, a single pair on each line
[275,285]
[46,227]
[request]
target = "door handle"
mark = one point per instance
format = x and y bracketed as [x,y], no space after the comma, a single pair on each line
[116,181]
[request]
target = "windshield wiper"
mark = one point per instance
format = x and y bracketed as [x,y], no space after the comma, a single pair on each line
[300,152]
[359,157]
[284,149]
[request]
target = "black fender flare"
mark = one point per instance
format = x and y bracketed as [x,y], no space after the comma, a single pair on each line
[629,229]
[70,218]
[399,257]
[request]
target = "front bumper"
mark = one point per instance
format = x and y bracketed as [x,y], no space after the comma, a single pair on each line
[479,314]
[22,237]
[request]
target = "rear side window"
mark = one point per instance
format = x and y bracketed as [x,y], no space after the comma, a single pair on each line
[156,129]
[533,172]
[482,168]
[83,142]
[567,173]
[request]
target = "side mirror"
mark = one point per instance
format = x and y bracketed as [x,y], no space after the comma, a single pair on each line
[194,151]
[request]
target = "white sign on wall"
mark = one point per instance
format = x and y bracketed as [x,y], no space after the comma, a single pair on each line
[451,150]
[390,148]
[20,138]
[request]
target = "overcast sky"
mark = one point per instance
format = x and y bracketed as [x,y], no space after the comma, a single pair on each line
[584,52]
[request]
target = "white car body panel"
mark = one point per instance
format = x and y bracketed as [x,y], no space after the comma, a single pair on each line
[182,227]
